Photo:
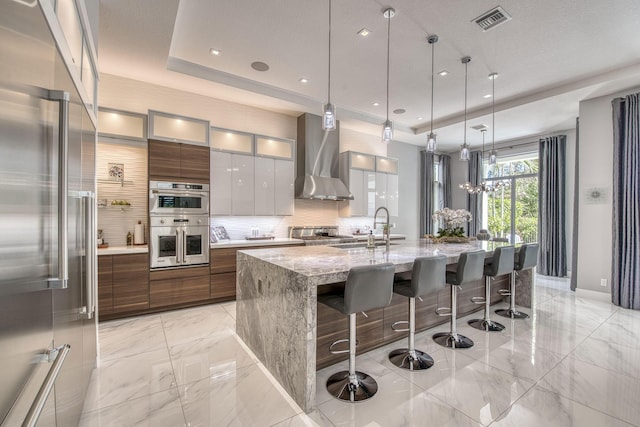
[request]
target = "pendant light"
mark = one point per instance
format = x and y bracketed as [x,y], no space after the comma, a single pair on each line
[493,156]
[387,128]
[464,148]
[328,109]
[431,139]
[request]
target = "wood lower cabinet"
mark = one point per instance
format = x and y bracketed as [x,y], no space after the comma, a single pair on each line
[177,161]
[179,286]
[130,282]
[123,283]
[223,270]
[105,285]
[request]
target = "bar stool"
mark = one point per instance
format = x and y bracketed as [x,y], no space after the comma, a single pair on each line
[427,277]
[501,263]
[367,287]
[527,258]
[470,268]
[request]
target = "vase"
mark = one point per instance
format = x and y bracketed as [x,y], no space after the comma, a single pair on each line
[483,235]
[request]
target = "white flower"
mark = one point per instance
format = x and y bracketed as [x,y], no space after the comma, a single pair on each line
[452,217]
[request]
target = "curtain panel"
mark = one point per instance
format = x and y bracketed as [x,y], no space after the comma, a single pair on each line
[445,170]
[625,266]
[426,192]
[552,257]
[474,201]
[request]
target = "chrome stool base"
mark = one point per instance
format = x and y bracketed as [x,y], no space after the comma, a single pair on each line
[486,325]
[447,339]
[340,386]
[512,314]
[403,358]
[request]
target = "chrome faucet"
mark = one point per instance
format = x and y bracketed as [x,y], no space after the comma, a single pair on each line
[386,227]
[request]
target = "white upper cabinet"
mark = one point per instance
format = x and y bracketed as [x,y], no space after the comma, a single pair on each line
[220,183]
[357,171]
[387,184]
[264,179]
[284,186]
[242,184]
[171,127]
[261,174]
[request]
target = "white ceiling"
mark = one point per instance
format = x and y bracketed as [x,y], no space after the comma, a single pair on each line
[551,55]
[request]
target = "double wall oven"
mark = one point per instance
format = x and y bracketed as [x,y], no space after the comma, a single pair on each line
[179,224]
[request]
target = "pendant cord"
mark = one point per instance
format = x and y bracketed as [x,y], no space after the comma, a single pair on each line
[329,85]
[432,71]
[466,66]
[388,44]
[493,114]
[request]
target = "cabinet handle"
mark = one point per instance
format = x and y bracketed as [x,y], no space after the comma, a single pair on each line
[62,278]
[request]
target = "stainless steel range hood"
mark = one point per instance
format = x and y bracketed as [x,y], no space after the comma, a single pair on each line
[317,161]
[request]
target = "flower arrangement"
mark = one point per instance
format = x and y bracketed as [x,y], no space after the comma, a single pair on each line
[452,221]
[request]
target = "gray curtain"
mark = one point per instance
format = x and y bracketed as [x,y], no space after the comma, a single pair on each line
[625,269]
[552,257]
[426,192]
[576,201]
[445,170]
[474,201]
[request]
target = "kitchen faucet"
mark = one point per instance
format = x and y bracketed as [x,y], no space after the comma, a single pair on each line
[386,226]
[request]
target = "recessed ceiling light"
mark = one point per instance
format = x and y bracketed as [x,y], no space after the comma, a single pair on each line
[215,52]
[399,111]
[487,96]
[364,32]
[259,66]
[443,73]
[303,80]
[419,118]
[375,104]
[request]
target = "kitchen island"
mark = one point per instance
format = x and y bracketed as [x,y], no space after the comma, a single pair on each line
[277,312]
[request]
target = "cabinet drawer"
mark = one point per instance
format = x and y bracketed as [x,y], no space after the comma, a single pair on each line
[223,285]
[178,291]
[223,260]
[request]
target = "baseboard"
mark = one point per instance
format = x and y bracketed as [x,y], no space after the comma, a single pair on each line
[600,296]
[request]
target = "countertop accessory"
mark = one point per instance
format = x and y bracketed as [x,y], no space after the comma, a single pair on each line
[218,232]
[138,234]
[259,237]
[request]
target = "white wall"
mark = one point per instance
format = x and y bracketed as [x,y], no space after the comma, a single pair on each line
[596,164]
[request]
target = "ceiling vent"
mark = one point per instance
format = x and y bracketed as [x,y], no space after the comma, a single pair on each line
[492,19]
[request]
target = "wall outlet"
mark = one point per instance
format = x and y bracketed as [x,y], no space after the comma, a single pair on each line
[603,282]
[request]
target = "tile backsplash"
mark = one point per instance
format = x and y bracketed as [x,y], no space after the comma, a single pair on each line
[116,221]
[307,212]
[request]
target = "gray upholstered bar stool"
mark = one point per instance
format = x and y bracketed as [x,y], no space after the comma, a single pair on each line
[427,277]
[526,258]
[367,287]
[501,263]
[470,268]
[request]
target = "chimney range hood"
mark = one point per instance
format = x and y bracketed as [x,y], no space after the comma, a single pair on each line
[317,161]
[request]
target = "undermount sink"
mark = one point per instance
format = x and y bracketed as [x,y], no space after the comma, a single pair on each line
[358,245]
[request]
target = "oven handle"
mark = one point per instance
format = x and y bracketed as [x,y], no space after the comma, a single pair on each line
[178,246]
[184,246]
[181,192]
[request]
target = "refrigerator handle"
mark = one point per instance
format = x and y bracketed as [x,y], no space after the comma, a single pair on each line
[88,310]
[60,281]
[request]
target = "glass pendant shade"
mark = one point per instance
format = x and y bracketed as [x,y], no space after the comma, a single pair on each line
[387,131]
[328,117]
[431,142]
[464,151]
[493,157]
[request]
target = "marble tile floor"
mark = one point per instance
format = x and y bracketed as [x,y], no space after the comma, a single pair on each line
[574,362]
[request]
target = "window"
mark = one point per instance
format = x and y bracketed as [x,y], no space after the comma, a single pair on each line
[511,213]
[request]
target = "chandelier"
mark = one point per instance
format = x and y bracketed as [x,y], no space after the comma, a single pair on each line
[483,187]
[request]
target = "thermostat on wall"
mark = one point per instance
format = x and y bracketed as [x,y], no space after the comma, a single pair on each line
[596,195]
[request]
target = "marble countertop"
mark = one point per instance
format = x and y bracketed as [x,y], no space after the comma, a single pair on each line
[124,250]
[325,264]
[245,243]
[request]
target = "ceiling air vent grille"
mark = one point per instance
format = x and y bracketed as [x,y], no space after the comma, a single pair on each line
[492,19]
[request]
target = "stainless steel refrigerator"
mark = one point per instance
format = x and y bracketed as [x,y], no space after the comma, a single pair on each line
[47,222]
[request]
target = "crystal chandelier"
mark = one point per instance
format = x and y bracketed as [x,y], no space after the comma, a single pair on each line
[483,187]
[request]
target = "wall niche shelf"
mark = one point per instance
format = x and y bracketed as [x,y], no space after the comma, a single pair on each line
[121,183]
